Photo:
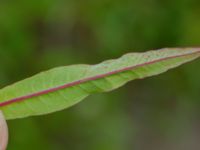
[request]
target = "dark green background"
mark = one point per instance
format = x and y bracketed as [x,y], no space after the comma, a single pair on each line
[158,113]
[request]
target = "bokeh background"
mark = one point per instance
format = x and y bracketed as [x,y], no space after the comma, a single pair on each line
[158,113]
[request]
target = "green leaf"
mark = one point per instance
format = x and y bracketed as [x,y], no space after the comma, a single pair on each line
[63,87]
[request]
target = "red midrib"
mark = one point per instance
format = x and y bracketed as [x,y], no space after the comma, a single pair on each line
[22,98]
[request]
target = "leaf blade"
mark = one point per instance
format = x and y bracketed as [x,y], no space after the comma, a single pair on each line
[63,87]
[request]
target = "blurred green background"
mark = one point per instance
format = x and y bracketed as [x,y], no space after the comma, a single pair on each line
[158,113]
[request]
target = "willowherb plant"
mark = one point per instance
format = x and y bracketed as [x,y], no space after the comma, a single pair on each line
[63,87]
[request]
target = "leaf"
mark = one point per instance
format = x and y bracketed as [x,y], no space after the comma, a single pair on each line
[63,87]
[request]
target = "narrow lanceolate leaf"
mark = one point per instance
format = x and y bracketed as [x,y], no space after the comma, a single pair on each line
[63,87]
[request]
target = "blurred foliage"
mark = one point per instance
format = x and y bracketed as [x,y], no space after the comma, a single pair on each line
[152,114]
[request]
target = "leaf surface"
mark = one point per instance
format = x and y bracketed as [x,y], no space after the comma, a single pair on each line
[62,87]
